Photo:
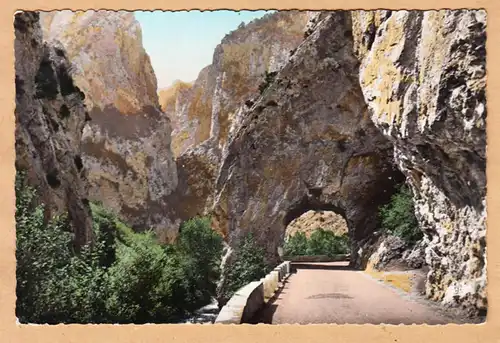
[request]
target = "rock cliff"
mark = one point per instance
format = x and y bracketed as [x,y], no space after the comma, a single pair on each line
[423,77]
[205,112]
[307,143]
[127,142]
[364,92]
[171,99]
[210,107]
[50,117]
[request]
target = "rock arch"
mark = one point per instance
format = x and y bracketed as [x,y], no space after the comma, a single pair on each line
[307,143]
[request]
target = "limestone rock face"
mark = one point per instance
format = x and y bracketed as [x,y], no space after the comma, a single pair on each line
[423,76]
[313,220]
[127,143]
[50,116]
[109,61]
[393,253]
[307,144]
[171,99]
[189,107]
[211,106]
[204,112]
[196,168]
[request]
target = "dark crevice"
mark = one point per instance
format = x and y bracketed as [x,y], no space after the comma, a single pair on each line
[60,52]
[66,81]
[64,111]
[19,87]
[53,179]
[54,125]
[341,145]
[78,162]
[45,80]
[369,36]
[80,93]
[87,117]
[259,109]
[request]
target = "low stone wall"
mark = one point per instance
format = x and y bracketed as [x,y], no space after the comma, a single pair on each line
[318,258]
[252,297]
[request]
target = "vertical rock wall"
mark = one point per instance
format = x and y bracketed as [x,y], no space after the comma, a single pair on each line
[211,106]
[307,144]
[50,117]
[424,79]
[127,142]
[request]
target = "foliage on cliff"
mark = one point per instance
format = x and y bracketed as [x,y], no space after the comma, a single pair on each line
[125,277]
[398,216]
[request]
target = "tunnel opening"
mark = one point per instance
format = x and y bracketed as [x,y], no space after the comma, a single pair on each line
[317,236]
[315,232]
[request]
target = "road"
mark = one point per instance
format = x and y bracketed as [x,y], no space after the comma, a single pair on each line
[320,293]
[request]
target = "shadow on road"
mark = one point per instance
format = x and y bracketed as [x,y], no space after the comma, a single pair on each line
[265,315]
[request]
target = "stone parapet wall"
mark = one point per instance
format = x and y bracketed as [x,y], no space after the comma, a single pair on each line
[252,297]
[318,258]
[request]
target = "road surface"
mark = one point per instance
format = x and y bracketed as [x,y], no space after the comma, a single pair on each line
[320,293]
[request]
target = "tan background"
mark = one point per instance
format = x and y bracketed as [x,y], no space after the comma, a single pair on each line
[12,332]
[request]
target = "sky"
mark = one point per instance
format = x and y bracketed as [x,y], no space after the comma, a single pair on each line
[180,44]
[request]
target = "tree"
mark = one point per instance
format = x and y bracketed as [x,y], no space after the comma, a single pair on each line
[202,248]
[398,216]
[320,242]
[248,266]
[124,277]
[296,245]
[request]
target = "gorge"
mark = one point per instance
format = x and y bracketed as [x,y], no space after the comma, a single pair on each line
[299,111]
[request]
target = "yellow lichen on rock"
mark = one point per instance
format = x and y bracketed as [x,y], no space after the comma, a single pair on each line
[423,77]
[400,280]
[362,163]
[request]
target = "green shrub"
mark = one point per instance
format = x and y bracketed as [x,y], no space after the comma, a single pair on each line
[398,216]
[321,242]
[296,245]
[201,249]
[249,266]
[124,277]
[43,251]
[134,281]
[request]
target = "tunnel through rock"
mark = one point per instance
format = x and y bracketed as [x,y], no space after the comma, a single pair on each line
[316,236]
[311,220]
[316,150]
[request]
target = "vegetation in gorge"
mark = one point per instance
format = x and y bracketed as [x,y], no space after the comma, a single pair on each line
[249,266]
[125,277]
[398,216]
[320,242]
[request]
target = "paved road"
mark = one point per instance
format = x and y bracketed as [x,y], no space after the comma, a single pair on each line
[321,293]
